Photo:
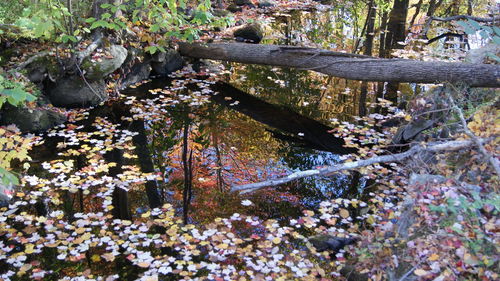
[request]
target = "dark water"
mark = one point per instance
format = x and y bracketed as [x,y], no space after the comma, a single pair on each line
[263,123]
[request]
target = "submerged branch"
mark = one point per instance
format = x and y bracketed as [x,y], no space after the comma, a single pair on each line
[327,171]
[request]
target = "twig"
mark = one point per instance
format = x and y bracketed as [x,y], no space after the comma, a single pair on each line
[85,80]
[89,50]
[493,161]
[327,171]
[30,60]
[408,272]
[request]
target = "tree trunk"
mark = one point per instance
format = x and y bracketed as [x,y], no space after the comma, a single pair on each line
[396,25]
[368,48]
[349,66]
[146,162]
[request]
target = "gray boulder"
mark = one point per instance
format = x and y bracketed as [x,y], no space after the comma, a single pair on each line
[138,72]
[31,120]
[72,91]
[481,55]
[164,63]
[95,70]
[42,68]
[250,33]
[325,242]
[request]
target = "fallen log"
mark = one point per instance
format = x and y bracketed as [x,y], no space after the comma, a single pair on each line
[348,66]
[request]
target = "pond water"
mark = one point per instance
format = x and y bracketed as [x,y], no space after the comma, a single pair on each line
[197,136]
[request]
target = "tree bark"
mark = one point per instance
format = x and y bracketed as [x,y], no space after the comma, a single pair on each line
[348,66]
[396,26]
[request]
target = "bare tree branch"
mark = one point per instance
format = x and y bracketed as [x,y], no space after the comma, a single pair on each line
[327,171]
[88,51]
[24,64]
[458,17]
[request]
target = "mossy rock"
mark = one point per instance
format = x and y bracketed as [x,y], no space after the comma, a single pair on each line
[251,33]
[73,91]
[31,120]
[96,70]
[325,242]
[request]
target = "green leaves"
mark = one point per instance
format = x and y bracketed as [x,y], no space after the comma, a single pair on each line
[8,178]
[472,27]
[154,49]
[13,92]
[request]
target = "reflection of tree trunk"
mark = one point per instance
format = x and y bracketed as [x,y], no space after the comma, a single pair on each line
[383,32]
[382,54]
[299,128]
[220,180]
[396,33]
[396,25]
[370,26]
[432,8]
[145,162]
[362,99]
[120,201]
[368,46]
[417,11]
[188,172]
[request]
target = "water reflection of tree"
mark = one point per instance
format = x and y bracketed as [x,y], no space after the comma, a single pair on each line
[311,94]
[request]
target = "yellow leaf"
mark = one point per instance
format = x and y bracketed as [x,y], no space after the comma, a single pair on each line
[29,249]
[344,213]
[95,258]
[420,272]
[370,220]
[434,257]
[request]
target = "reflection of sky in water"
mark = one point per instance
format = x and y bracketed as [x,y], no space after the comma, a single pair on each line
[318,188]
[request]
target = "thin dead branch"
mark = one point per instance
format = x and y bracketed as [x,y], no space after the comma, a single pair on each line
[330,170]
[88,51]
[24,64]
